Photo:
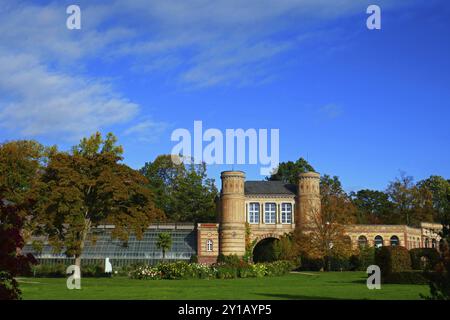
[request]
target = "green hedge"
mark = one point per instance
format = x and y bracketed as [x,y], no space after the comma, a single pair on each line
[392,260]
[406,277]
[59,271]
[432,257]
[362,260]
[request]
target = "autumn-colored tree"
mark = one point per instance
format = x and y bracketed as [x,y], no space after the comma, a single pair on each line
[87,187]
[440,192]
[337,206]
[401,194]
[21,164]
[12,262]
[422,205]
[326,238]
[183,192]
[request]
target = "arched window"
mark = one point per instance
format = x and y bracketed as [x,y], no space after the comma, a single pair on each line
[395,241]
[362,242]
[286,213]
[253,213]
[209,245]
[348,240]
[427,243]
[379,241]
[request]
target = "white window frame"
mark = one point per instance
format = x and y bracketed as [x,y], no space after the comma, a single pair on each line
[209,245]
[286,213]
[271,214]
[254,213]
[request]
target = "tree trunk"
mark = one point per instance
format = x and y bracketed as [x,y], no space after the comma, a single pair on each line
[87,227]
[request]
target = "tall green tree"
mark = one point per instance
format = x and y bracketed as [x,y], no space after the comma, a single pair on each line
[289,171]
[87,187]
[164,243]
[183,192]
[373,207]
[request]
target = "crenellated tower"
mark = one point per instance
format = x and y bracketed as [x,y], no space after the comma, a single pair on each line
[232,213]
[307,200]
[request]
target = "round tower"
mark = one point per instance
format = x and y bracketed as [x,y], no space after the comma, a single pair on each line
[232,215]
[308,200]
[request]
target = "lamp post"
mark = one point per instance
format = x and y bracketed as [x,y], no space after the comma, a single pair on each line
[329,244]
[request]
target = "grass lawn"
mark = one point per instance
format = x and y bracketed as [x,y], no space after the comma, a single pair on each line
[345,285]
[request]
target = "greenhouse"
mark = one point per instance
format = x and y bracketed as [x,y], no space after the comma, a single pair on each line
[100,245]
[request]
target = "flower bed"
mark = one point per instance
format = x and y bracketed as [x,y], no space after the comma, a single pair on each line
[183,270]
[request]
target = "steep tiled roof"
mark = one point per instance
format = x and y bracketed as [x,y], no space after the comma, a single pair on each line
[270,187]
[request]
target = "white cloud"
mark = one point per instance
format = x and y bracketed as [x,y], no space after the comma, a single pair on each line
[146,130]
[37,101]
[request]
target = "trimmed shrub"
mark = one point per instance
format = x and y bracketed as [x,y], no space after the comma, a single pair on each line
[93,271]
[424,258]
[392,260]
[311,264]
[49,271]
[340,264]
[226,272]
[364,259]
[406,277]
[231,260]
[194,259]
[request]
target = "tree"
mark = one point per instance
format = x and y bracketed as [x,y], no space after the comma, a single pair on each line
[288,172]
[164,243]
[21,164]
[286,248]
[336,204]
[440,192]
[440,282]
[373,207]
[183,192]
[422,205]
[400,192]
[12,262]
[88,187]
[325,240]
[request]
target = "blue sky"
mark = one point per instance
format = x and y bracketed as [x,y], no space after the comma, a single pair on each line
[362,105]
